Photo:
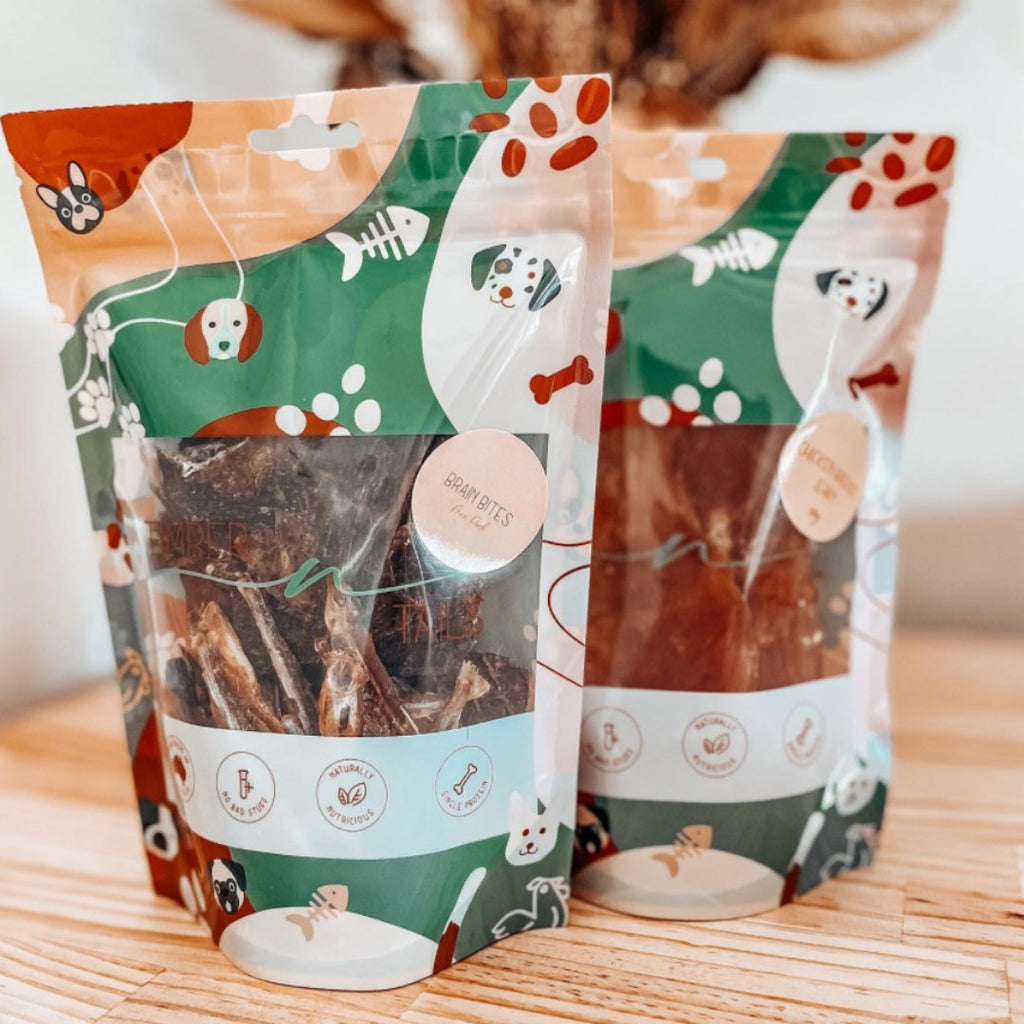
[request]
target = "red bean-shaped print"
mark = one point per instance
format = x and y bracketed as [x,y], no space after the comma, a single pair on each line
[593,100]
[495,87]
[549,83]
[903,137]
[940,153]
[893,166]
[841,164]
[543,120]
[513,158]
[573,153]
[861,195]
[918,194]
[855,138]
[489,122]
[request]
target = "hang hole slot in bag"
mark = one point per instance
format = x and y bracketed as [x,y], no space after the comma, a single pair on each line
[302,132]
[673,164]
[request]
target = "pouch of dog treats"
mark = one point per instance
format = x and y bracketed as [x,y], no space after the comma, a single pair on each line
[767,299]
[334,364]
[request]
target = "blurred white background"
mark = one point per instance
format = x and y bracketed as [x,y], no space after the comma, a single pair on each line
[962,562]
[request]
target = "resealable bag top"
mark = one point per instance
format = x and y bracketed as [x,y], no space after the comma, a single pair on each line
[334,364]
[768,296]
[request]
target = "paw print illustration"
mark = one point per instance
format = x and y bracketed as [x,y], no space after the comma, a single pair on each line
[530,629]
[98,335]
[130,421]
[326,408]
[591,104]
[700,404]
[63,332]
[95,404]
[901,169]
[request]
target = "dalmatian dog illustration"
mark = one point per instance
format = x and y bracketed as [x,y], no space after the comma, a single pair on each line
[78,208]
[510,276]
[227,877]
[861,295]
[224,329]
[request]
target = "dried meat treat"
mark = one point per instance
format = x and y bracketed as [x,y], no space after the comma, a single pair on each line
[294,687]
[470,685]
[424,630]
[358,687]
[400,651]
[183,693]
[510,693]
[235,698]
[699,580]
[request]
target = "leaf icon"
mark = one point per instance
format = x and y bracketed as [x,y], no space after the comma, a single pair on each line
[721,744]
[352,797]
[709,747]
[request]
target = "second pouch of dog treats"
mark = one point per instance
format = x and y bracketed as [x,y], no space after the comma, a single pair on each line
[334,364]
[768,297]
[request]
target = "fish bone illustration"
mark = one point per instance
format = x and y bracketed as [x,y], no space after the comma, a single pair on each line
[745,250]
[397,231]
[327,901]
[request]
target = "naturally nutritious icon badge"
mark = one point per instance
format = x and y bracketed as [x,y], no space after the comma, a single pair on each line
[715,744]
[352,794]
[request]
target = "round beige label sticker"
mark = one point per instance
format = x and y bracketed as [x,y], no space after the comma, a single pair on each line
[479,500]
[822,471]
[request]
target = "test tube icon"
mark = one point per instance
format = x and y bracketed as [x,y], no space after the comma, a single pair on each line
[244,785]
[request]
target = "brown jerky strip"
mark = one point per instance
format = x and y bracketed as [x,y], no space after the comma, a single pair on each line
[235,698]
[347,638]
[286,665]
[469,686]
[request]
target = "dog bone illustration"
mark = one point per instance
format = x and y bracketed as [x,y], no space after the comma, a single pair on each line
[469,685]
[236,701]
[886,375]
[459,786]
[286,665]
[577,372]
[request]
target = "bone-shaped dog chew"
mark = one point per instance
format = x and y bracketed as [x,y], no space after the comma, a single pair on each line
[577,372]
[461,784]
[886,375]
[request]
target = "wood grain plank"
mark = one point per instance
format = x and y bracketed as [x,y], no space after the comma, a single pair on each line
[174,996]
[48,983]
[933,931]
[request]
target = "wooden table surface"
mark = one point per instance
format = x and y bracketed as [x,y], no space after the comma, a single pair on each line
[934,931]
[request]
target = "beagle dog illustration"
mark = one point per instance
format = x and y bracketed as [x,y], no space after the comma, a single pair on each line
[224,329]
[228,880]
[861,295]
[511,277]
[78,208]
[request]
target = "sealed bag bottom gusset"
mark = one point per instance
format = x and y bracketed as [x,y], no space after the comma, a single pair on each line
[767,299]
[337,401]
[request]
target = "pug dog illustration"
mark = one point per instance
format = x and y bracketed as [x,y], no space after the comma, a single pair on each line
[861,295]
[78,208]
[227,877]
[224,329]
[511,277]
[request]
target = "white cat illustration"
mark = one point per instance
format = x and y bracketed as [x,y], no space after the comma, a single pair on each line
[532,833]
